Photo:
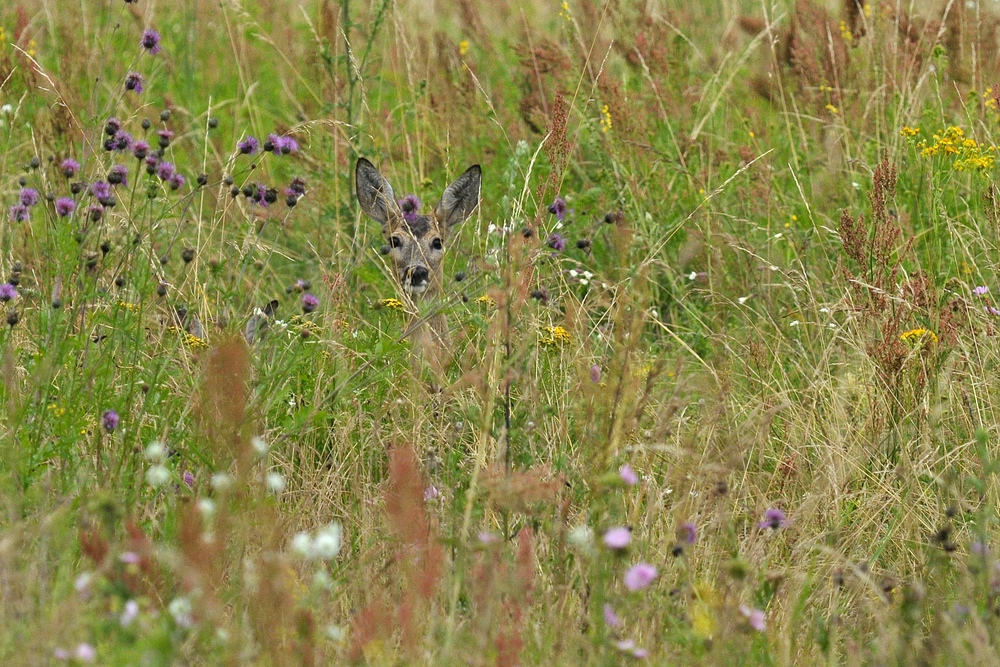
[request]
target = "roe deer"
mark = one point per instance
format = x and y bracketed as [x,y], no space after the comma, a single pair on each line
[417,242]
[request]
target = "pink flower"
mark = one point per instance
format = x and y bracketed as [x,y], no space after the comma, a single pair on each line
[595,373]
[431,493]
[129,558]
[617,537]
[628,475]
[628,646]
[85,653]
[755,617]
[639,576]
[610,617]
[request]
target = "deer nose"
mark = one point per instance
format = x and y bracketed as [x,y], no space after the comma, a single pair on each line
[417,275]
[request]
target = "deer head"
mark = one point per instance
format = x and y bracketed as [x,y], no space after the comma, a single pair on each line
[416,243]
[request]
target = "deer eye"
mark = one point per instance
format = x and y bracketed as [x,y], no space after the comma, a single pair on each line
[436,244]
[395,242]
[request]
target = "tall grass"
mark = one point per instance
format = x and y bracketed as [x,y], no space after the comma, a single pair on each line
[721,380]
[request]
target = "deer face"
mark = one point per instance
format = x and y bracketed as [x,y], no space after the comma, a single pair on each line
[416,242]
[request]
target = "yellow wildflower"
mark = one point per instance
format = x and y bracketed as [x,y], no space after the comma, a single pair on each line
[845,32]
[131,307]
[193,341]
[605,119]
[564,14]
[463,47]
[556,336]
[914,336]
[910,131]
[394,304]
[832,109]
[487,300]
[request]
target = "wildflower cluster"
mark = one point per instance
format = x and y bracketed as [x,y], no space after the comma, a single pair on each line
[275,143]
[916,336]
[968,154]
[555,336]
[21,211]
[605,119]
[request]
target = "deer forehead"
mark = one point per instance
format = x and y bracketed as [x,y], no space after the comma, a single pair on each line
[418,227]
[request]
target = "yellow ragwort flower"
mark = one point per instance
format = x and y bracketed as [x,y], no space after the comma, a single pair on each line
[394,304]
[556,336]
[910,131]
[605,119]
[463,47]
[914,336]
[487,300]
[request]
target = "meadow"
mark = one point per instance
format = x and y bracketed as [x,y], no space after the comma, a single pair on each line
[721,385]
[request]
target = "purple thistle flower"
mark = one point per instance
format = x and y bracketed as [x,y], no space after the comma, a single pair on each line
[286,145]
[990,310]
[628,475]
[111,126]
[556,242]
[65,206]
[773,519]
[280,145]
[152,162]
[688,532]
[639,576]
[595,373]
[188,478]
[118,175]
[122,140]
[309,303]
[140,150]
[755,617]
[134,82]
[249,146]
[431,493]
[558,208]
[101,190]
[151,41]
[19,213]
[618,537]
[610,617]
[259,196]
[980,290]
[29,196]
[409,205]
[165,137]
[95,213]
[177,181]
[165,170]
[8,292]
[69,167]
[296,187]
[109,420]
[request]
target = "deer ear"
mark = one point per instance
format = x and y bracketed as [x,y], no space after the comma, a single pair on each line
[460,198]
[375,194]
